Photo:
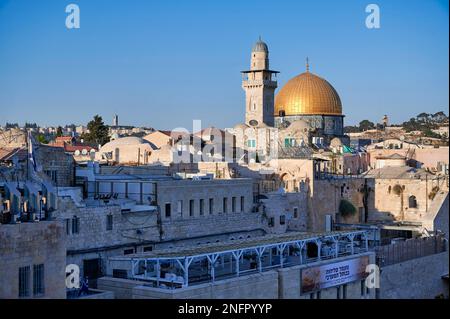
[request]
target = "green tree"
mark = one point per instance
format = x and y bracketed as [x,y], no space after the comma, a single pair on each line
[11,125]
[59,131]
[346,208]
[429,133]
[365,125]
[98,132]
[41,139]
[30,125]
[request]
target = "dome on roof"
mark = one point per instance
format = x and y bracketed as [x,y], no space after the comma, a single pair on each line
[298,125]
[260,46]
[309,94]
[129,140]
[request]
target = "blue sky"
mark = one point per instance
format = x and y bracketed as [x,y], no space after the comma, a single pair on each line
[164,63]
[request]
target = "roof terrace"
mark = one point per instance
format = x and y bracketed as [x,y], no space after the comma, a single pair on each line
[178,268]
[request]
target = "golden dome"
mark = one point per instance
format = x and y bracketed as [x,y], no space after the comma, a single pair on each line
[308,94]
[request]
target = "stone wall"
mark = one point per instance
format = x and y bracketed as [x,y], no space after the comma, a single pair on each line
[440,223]
[288,211]
[388,205]
[122,288]
[98,294]
[428,157]
[418,278]
[223,224]
[383,203]
[50,158]
[326,197]
[256,286]
[30,244]
[179,193]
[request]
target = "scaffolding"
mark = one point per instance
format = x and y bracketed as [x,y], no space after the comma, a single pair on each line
[208,263]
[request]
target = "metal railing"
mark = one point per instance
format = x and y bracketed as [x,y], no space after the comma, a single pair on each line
[410,249]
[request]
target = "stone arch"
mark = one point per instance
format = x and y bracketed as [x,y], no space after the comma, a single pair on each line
[412,201]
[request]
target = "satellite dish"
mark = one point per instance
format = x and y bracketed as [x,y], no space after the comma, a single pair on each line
[84,151]
[77,152]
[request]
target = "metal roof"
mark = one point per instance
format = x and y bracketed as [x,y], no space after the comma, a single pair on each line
[240,244]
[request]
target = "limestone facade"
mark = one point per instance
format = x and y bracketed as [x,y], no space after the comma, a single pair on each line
[33,260]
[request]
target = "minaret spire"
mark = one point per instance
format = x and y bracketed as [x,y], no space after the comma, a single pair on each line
[307,64]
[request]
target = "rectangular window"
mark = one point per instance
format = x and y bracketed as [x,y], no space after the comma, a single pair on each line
[68,226]
[191,207]
[53,175]
[211,206]
[120,273]
[271,222]
[242,203]
[38,280]
[75,225]
[282,219]
[147,248]
[128,251]
[24,282]
[168,209]
[109,222]
[318,294]
[225,205]
[287,142]
[338,292]
[295,212]
[180,207]
[233,204]
[202,206]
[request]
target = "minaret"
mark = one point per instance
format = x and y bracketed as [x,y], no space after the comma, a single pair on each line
[259,87]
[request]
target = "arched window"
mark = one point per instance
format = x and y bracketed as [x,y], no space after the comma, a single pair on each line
[412,201]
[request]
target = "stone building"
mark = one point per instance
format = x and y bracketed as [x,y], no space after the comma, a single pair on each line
[259,86]
[33,260]
[55,163]
[308,106]
[126,150]
[120,214]
[13,138]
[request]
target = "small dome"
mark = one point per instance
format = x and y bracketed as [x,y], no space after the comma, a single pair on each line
[129,140]
[260,46]
[298,125]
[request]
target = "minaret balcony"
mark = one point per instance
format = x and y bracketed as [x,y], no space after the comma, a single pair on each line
[258,83]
